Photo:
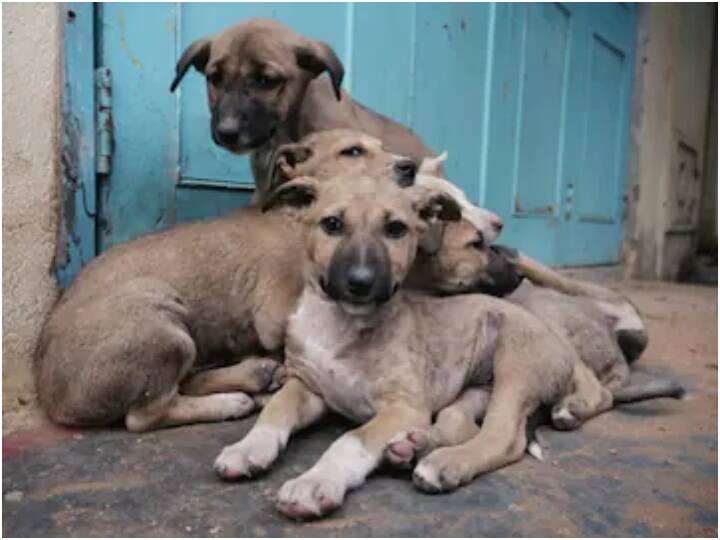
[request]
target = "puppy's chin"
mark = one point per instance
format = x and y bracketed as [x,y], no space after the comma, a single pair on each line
[244,143]
[358,310]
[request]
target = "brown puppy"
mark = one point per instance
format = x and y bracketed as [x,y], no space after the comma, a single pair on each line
[357,345]
[264,90]
[604,327]
[326,154]
[361,347]
[142,315]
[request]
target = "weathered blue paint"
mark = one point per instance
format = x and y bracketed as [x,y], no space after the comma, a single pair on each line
[531,100]
[558,127]
[76,238]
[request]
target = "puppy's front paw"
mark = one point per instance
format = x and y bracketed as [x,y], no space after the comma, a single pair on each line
[251,456]
[441,471]
[407,446]
[310,496]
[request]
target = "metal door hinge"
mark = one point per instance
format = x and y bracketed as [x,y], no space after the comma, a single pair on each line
[103,121]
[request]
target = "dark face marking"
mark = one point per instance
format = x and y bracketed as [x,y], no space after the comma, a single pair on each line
[360,272]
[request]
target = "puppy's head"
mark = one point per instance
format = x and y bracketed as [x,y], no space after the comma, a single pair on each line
[464,263]
[340,152]
[256,73]
[362,235]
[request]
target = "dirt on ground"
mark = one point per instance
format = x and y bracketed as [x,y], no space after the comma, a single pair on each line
[647,469]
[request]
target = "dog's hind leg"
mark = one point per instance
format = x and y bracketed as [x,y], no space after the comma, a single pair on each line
[588,398]
[292,408]
[174,409]
[501,440]
[455,424]
[252,375]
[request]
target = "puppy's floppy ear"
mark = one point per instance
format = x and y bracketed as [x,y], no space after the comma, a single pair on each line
[197,54]
[296,193]
[432,204]
[285,160]
[316,57]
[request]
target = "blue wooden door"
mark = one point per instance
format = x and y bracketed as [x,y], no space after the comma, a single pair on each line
[531,100]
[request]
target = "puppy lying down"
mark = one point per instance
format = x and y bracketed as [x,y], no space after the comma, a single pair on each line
[391,359]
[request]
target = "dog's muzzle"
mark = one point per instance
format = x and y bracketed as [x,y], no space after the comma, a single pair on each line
[360,274]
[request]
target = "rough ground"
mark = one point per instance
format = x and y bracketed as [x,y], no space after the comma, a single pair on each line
[643,470]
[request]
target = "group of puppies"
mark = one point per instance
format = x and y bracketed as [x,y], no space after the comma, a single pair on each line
[359,281]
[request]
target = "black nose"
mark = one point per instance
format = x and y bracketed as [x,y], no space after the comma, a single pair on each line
[360,281]
[228,129]
[405,171]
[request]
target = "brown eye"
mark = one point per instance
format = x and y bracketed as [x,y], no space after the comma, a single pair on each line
[353,151]
[332,225]
[265,82]
[395,229]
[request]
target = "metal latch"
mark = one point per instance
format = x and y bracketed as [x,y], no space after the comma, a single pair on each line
[103,121]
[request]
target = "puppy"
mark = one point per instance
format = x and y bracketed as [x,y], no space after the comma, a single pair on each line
[360,345]
[145,314]
[326,154]
[605,329]
[200,295]
[264,90]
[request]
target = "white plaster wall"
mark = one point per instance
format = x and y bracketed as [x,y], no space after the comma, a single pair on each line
[673,83]
[30,66]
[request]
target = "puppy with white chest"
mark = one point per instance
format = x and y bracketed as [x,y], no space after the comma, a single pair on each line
[387,357]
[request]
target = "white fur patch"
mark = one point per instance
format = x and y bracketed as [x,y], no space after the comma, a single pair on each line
[535,450]
[256,452]
[627,317]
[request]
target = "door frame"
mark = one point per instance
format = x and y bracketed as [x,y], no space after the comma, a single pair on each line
[76,237]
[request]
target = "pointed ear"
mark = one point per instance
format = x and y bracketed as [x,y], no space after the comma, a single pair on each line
[432,205]
[316,57]
[296,193]
[197,55]
[433,165]
[285,161]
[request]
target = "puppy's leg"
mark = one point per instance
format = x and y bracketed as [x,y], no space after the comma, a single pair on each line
[252,375]
[292,408]
[589,398]
[455,424]
[174,409]
[501,440]
[346,464]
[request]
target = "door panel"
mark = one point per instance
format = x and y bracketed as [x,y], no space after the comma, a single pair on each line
[530,100]
[540,112]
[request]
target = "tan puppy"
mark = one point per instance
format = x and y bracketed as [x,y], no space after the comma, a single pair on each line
[359,346]
[604,327]
[326,154]
[141,316]
[264,90]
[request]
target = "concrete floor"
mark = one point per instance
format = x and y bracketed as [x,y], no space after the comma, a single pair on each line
[648,469]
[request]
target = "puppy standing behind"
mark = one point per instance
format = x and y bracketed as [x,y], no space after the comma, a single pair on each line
[264,90]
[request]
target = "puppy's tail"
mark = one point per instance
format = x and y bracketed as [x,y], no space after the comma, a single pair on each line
[544,276]
[656,388]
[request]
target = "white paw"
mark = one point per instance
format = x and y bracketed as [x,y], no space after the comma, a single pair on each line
[441,471]
[252,455]
[310,496]
[563,419]
[231,405]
